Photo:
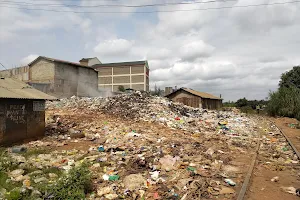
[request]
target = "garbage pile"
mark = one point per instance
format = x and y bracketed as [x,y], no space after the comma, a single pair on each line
[140,106]
[139,147]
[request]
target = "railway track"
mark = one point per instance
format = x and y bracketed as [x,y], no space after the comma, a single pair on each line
[249,176]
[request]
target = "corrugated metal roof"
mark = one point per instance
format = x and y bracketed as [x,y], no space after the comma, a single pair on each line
[200,94]
[15,89]
[119,64]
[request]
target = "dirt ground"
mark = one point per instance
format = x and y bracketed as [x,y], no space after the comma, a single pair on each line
[292,133]
[261,186]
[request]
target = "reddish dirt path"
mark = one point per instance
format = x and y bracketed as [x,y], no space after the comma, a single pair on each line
[261,187]
[292,133]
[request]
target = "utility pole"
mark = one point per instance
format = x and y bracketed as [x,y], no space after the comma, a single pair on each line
[3,66]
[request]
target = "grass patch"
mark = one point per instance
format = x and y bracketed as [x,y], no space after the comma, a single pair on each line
[9,185]
[73,185]
[35,151]
[53,170]
[7,163]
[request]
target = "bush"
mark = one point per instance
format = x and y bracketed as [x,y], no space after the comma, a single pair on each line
[285,102]
[73,185]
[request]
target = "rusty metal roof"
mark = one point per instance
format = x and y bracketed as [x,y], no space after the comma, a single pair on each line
[15,89]
[199,94]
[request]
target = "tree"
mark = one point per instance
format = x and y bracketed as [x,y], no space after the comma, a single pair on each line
[291,78]
[241,102]
[121,88]
[286,101]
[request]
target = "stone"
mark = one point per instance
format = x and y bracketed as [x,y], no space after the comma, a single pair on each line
[104,190]
[134,181]
[227,190]
[16,173]
[41,179]
[52,175]
[111,196]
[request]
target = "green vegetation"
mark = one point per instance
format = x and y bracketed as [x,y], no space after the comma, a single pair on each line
[7,163]
[73,185]
[286,100]
[35,151]
[248,106]
[121,88]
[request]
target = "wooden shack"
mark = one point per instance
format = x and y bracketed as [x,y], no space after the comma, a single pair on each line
[195,99]
[22,111]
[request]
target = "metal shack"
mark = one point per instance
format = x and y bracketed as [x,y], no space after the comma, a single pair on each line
[22,111]
[195,99]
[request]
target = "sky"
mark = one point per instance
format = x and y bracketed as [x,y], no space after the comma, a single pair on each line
[237,52]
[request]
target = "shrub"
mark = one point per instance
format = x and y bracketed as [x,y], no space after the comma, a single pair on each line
[285,102]
[73,185]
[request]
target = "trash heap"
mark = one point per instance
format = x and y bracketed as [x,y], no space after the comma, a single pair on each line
[139,147]
[140,106]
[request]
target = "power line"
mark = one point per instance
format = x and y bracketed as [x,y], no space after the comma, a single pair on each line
[3,66]
[114,5]
[155,11]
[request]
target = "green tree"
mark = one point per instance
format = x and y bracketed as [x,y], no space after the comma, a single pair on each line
[121,88]
[241,102]
[286,101]
[291,78]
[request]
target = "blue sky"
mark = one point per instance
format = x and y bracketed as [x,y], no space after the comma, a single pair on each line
[233,52]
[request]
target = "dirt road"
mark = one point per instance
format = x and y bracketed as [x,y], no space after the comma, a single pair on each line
[261,186]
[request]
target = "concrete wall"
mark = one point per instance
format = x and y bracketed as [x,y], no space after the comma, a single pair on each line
[87,82]
[134,77]
[42,71]
[21,120]
[72,80]
[20,73]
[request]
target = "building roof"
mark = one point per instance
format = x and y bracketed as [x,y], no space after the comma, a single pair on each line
[87,59]
[203,95]
[15,89]
[120,64]
[57,60]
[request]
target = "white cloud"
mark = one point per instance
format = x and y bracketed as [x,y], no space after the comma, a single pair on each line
[234,52]
[26,60]
[194,50]
[113,47]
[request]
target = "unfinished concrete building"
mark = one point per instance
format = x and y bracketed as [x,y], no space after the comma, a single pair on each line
[130,75]
[57,77]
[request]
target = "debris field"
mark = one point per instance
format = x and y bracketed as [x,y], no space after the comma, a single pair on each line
[138,146]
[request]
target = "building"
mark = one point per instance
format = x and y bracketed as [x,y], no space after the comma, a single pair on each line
[20,73]
[89,61]
[195,99]
[22,111]
[58,77]
[130,75]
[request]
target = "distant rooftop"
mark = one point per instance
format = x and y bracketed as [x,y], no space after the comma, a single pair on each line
[194,92]
[120,64]
[15,89]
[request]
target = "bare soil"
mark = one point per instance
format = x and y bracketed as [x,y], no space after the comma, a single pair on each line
[261,186]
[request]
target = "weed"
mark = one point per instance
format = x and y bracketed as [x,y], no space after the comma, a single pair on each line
[73,185]
[7,163]
[34,151]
